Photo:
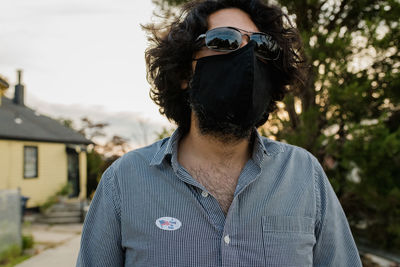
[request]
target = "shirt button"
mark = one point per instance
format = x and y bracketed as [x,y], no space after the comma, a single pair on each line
[227,239]
[204,194]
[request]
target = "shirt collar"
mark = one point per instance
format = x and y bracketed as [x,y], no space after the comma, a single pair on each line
[259,150]
[169,147]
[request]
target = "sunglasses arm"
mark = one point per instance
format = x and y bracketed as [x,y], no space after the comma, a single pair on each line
[201,36]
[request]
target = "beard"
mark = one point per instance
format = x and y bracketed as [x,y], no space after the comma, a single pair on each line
[222,131]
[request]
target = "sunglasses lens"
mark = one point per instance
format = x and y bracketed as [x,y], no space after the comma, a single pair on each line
[223,39]
[266,47]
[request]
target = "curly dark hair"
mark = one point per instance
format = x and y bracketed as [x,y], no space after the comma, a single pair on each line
[169,58]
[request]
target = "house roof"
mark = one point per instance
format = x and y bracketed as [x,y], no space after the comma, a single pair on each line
[18,122]
[3,83]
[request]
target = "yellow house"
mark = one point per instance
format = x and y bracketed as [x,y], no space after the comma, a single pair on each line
[38,155]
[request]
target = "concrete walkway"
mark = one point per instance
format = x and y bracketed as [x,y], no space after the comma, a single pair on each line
[56,245]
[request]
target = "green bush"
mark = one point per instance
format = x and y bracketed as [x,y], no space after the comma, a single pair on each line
[9,254]
[27,241]
[65,190]
[49,202]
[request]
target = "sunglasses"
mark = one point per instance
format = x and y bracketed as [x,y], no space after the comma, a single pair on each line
[228,39]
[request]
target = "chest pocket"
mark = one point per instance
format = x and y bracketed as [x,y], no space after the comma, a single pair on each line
[288,241]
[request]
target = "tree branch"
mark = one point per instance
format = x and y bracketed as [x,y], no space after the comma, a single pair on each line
[290,108]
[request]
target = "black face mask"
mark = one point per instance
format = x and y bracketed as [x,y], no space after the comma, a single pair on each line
[230,93]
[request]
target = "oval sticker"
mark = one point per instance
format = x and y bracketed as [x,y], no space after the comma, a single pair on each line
[168,223]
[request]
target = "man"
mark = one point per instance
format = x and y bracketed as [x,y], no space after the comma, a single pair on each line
[216,193]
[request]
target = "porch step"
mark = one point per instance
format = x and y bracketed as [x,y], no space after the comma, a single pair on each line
[65,206]
[63,212]
[59,220]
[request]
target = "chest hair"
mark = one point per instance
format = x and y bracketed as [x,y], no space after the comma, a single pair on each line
[219,181]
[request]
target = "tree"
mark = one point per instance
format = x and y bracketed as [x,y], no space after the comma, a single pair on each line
[91,130]
[101,156]
[141,136]
[348,112]
[165,132]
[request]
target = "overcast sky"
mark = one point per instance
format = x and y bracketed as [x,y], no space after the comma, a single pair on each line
[80,56]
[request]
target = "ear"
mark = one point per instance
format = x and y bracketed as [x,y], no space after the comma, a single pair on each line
[184,84]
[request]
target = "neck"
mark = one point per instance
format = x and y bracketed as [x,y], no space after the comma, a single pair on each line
[200,148]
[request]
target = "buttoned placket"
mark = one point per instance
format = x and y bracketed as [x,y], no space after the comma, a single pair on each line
[224,226]
[229,254]
[228,250]
[250,173]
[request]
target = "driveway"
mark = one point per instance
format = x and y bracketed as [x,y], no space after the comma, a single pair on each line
[55,245]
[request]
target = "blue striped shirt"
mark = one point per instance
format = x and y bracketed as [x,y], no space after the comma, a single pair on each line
[149,211]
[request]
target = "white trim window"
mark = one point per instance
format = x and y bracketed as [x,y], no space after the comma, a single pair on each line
[30,162]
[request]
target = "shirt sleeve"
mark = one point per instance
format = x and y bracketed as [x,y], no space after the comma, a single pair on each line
[335,245]
[101,236]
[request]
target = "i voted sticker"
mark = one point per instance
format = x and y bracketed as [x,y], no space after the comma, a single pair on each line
[168,223]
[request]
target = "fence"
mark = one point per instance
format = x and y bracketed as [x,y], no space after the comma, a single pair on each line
[10,219]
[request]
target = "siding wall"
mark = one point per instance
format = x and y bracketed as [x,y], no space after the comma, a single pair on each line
[52,170]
